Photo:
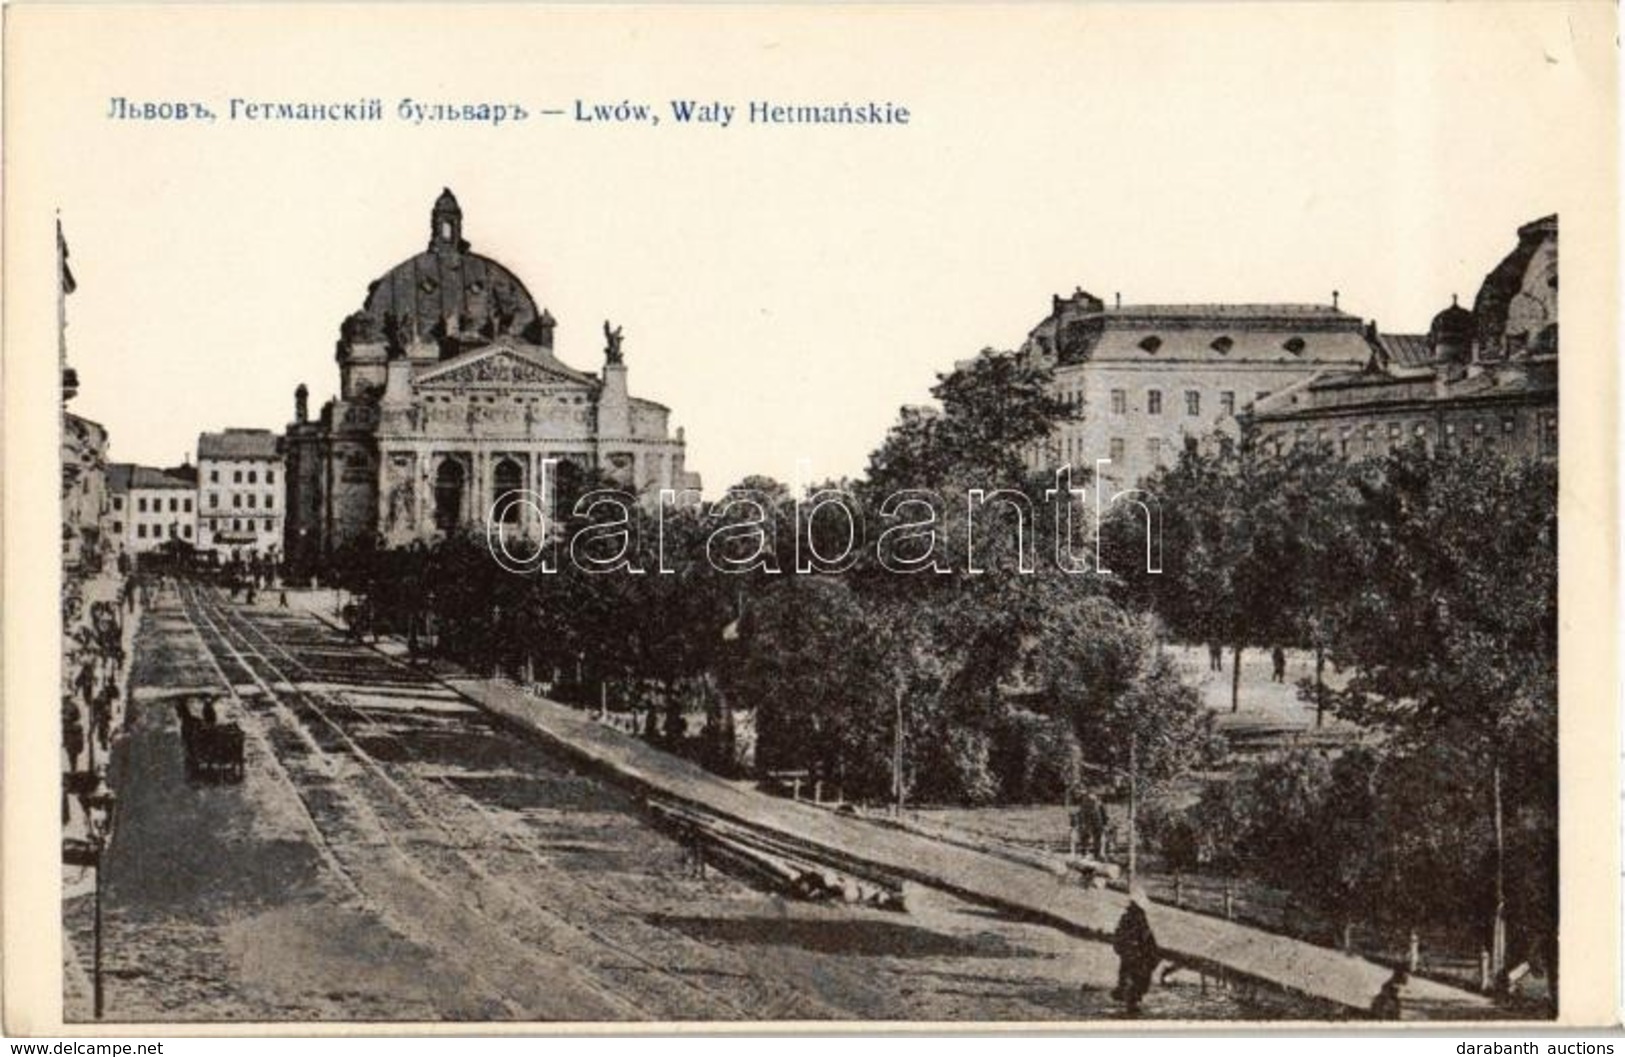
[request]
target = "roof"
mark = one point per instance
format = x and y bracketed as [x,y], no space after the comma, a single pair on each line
[125,476]
[1228,333]
[1248,311]
[1339,393]
[239,444]
[1082,329]
[1406,350]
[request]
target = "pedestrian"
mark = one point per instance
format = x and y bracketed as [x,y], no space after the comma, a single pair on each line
[73,731]
[1215,657]
[283,598]
[1387,1004]
[1137,952]
[1278,658]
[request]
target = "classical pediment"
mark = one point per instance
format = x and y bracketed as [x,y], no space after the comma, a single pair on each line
[501,367]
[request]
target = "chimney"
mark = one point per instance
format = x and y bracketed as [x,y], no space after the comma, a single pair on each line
[1119,298]
[1334,298]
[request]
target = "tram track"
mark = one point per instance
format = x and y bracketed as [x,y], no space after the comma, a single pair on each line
[438,817]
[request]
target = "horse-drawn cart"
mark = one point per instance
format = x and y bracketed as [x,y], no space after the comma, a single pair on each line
[214,750]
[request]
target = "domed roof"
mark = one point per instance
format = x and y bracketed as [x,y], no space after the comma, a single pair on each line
[446,292]
[1454,326]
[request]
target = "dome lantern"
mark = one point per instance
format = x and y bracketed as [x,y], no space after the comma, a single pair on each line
[446,224]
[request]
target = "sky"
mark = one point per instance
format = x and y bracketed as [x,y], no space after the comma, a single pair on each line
[783,289]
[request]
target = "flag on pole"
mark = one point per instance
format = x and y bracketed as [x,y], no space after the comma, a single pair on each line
[68,285]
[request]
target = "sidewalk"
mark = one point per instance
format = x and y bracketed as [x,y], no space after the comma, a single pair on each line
[1210,945]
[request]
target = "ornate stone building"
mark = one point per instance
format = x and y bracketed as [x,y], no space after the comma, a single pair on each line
[1485,378]
[451,397]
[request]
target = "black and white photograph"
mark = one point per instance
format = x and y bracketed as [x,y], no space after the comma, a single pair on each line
[1004,518]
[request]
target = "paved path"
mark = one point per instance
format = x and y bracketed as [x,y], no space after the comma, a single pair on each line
[1203,942]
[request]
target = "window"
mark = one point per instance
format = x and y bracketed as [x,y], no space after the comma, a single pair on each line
[186,530]
[1153,449]
[1116,449]
[214,500]
[253,477]
[173,530]
[118,528]
[1119,401]
[118,502]
[214,476]
[141,531]
[236,524]
[236,477]
[251,498]
[236,500]
[1193,403]
[1509,424]
[269,500]
[1153,402]
[1450,435]
[141,504]
[270,477]
[186,504]
[268,524]
[1223,344]
[1227,401]
[1150,343]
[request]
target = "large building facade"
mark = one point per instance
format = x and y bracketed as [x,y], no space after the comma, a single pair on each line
[240,494]
[1484,378]
[149,508]
[450,398]
[1147,380]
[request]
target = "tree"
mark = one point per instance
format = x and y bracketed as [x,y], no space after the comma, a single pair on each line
[1449,620]
[1222,524]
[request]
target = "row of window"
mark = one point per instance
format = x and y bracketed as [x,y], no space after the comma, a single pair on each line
[1117,447]
[1480,435]
[237,500]
[1193,402]
[181,504]
[185,531]
[237,476]
[238,524]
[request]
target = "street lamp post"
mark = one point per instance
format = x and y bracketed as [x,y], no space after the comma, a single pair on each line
[98,807]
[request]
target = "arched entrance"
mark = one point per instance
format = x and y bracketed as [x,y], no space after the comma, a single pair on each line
[449,484]
[507,479]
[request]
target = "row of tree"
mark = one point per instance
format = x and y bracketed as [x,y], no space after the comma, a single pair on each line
[1430,578]
[954,660]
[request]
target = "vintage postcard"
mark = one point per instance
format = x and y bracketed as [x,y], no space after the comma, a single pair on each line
[527,517]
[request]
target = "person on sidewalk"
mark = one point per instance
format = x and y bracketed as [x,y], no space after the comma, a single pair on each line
[1278,658]
[1388,1005]
[1137,952]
